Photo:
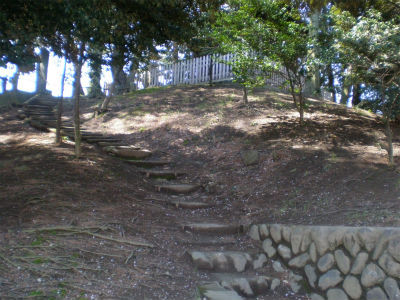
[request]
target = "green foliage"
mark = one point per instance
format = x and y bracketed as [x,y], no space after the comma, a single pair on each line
[371,45]
[266,36]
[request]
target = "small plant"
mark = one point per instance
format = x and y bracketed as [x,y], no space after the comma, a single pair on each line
[38,241]
[36,294]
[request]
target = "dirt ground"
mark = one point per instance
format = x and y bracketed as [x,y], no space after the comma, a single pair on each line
[95,228]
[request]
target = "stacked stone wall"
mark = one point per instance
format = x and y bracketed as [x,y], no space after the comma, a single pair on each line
[337,263]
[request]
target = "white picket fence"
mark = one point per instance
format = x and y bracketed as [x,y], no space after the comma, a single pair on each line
[192,71]
[204,69]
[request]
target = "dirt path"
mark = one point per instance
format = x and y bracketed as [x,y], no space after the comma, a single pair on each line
[332,172]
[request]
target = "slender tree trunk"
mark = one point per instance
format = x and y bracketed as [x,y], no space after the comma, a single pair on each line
[95,76]
[60,107]
[331,79]
[245,100]
[4,84]
[389,138]
[299,104]
[316,76]
[41,71]
[387,113]
[301,101]
[345,94]
[210,70]
[14,80]
[175,52]
[107,99]
[356,94]
[111,90]
[77,86]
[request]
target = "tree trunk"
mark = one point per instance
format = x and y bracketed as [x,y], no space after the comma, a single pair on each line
[120,79]
[299,104]
[210,70]
[60,107]
[107,99]
[331,79]
[175,52]
[389,137]
[14,80]
[316,76]
[41,71]
[77,87]
[356,94]
[301,110]
[111,90]
[95,77]
[245,100]
[345,94]
[3,84]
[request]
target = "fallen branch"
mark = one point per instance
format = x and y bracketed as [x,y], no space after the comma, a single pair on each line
[76,230]
[8,261]
[129,257]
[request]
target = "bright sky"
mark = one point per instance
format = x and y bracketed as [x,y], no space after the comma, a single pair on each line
[27,81]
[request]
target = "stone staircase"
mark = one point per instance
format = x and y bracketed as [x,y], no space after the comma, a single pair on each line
[40,111]
[228,270]
[230,273]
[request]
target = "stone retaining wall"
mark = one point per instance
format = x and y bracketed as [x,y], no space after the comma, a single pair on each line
[337,263]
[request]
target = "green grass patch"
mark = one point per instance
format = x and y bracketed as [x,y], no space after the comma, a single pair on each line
[150,90]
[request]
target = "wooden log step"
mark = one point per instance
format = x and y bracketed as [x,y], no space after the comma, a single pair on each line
[214,228]
[38,109]
[106,144]
[38,125]
[182,188]
[49,113]
[36,106]
[89,135]
[21,116]
[128,152]
[83,132]
[44,118]
[148,163]
[167,174]
[100,139]
[190,204]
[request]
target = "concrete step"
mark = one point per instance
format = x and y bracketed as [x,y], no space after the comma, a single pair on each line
[214,228]
[226,261]
[182,188]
